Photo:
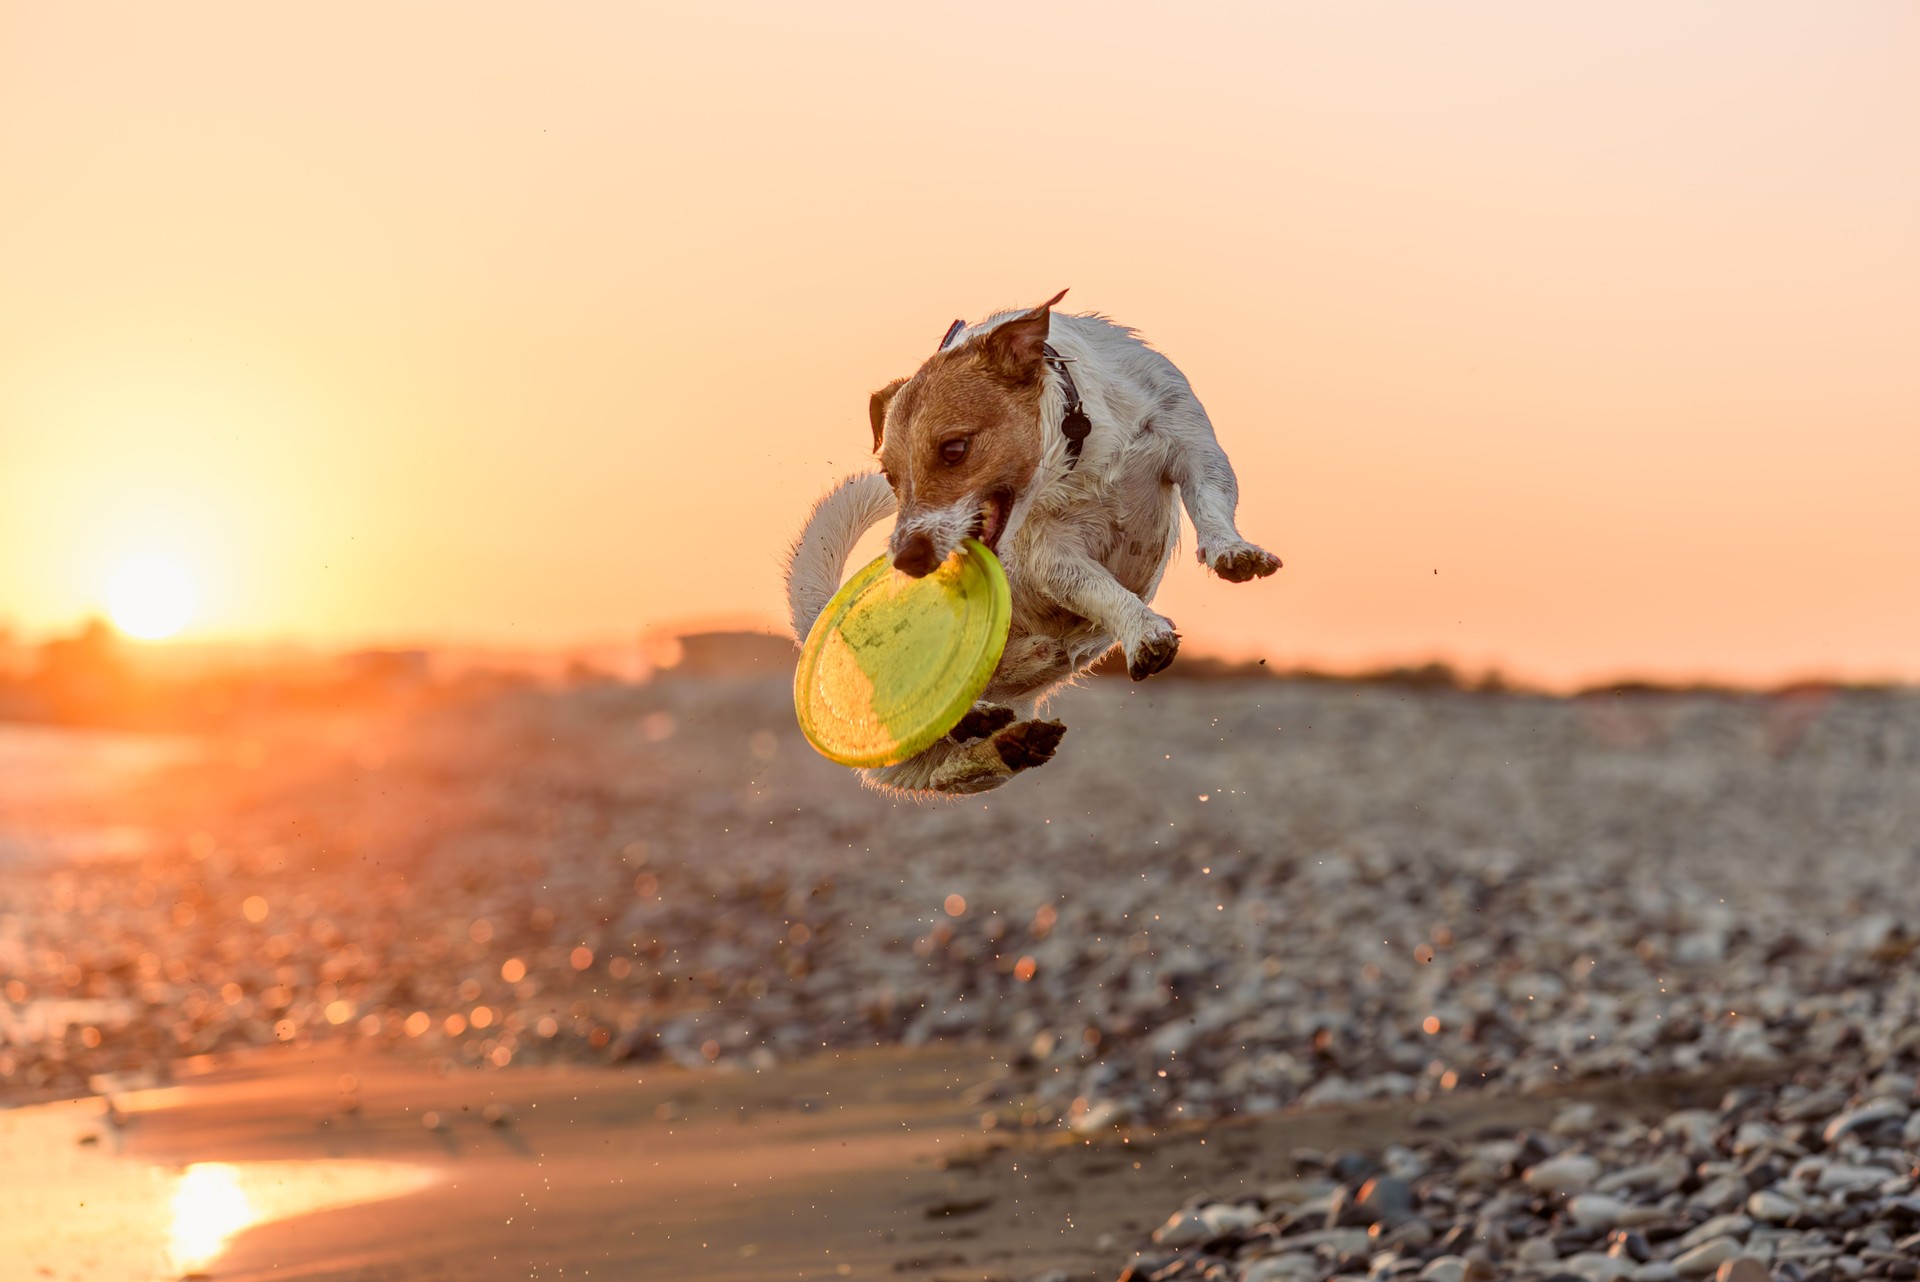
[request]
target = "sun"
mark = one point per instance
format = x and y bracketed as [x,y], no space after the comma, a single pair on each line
[150,597]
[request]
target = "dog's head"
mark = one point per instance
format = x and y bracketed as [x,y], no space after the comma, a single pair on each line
[960,440]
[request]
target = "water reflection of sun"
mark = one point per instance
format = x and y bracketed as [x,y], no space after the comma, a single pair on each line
[209,1206]
[213,1201]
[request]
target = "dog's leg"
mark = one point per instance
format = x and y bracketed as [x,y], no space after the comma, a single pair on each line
[1086,587]
[995,740]
[1028,665]
[1208,488]
[975,766]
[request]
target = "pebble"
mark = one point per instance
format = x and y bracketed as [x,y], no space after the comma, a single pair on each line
[1722,1193]
[1772,1208]
[1630,1245]
[1596,1267]
[1733,1226]
[1296,1191]
[1894,1086]
[1204,1223]
[1280,1268]
[1744,1269]
[1569,1173]
[1661,1175]
[1596,1210]
[1575,1120]
[1836,1177]
[1879,1110]
[1229,1217]
[1706,1257]
[1385,1199]
[1403,1163]
[1183,1228]
[1537,1250]
[1336,1241]
[1695,1125]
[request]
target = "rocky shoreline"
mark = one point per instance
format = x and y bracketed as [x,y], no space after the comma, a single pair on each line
[1811,1180]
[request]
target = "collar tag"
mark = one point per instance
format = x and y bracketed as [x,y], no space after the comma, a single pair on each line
[1074,424]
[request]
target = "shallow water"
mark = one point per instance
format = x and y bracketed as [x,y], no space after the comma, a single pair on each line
[79,1213]
[212,1201]
[58,786]
[419,1174]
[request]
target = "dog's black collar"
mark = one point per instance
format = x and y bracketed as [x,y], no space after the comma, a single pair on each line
[1074,424]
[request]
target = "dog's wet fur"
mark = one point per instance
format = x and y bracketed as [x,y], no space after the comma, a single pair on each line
[970,446]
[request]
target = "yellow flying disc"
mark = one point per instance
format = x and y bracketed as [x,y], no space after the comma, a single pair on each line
[894,662]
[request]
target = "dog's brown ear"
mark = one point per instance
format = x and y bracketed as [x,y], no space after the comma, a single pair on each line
[877,409]
[1016,348]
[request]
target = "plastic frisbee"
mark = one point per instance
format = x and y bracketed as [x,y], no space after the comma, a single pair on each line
[894,662]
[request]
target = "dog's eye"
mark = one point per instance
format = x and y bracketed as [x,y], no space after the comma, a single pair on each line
[953,451]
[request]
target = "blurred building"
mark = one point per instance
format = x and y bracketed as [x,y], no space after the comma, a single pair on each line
[82,678]
[388,671]
[728,654]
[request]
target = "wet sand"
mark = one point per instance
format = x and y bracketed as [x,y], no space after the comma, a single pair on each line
[857,1164]
[598,1173]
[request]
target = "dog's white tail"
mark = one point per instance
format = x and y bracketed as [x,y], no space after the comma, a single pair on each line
[818,557]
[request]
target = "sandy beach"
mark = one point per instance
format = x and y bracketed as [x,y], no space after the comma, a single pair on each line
[1262,981]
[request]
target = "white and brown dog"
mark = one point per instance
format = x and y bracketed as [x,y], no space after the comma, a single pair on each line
[1059,442]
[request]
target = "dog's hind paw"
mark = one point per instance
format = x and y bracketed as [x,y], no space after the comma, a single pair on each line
[1239,562]
[982,719]
[1026,744]
[1153,654]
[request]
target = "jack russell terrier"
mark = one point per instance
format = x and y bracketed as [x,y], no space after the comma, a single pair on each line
[1059,442]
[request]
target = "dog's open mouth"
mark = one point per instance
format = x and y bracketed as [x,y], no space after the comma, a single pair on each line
[992,521]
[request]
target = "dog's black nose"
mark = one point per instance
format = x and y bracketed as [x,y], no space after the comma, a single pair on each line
[916,558]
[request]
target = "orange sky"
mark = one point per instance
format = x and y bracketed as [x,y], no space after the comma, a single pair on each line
[533,324]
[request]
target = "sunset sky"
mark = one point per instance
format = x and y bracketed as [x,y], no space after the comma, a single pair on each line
[1581,340]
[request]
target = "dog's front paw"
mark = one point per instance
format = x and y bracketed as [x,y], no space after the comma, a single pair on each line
[1237,562]
[1153,652]
[1026,744]
[982,719]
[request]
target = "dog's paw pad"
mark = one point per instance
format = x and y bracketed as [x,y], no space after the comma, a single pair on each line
[1153,655]
[1239,562]
[982,720]
[1028,743]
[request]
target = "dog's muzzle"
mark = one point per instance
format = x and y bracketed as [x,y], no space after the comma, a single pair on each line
[917,556]
[923,540]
